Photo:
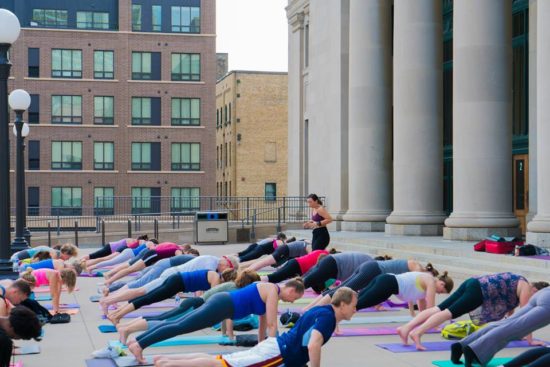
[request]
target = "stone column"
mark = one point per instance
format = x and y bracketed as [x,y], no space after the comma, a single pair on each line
[538,230]
[482,131]
[369,116]
[418,119]
[532,193]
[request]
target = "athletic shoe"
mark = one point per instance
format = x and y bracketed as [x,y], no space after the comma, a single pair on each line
[108,352]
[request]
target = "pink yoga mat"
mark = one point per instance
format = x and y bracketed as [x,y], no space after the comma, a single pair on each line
[47,289]
[374,331]
[438,346]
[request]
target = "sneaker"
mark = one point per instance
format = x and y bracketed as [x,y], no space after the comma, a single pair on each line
[108,352]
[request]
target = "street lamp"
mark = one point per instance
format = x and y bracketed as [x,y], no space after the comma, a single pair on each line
[9,32]
[19,101]
[24,133]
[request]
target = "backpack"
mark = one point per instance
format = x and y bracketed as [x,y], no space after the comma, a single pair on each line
[42,313]
[60,318]
[459,329]
[289,318]
[247,323]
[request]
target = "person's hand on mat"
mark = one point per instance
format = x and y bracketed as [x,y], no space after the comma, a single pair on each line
[337,331]
[380,307]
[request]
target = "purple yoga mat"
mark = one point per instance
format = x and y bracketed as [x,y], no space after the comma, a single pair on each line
[364,310]
[374,331]
[136,314]
[541,257]
[62,306]
[438,346]
[100,362]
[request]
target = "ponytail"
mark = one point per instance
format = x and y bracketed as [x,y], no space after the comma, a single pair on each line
[28,277]
[445,278]
[430,269]
[315,198]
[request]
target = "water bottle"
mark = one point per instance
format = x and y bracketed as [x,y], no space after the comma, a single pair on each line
[178,299]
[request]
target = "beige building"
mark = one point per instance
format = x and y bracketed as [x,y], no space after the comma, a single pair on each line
[251,134]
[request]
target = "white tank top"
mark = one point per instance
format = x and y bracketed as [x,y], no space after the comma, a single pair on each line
[410,287]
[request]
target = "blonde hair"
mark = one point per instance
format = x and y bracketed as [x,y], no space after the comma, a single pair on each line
[68,277]
[75,265]
[228,275]
[69,249]
[28,277]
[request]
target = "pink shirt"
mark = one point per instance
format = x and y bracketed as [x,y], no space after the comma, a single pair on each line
[166,249]
[41,276]
[308,261]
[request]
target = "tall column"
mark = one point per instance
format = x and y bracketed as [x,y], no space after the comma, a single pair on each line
[538,230]
[532,93]
[369,116]
[482,130]
[418,119]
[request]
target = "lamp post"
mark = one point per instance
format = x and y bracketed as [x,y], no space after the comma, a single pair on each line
[9,32]
[19,101]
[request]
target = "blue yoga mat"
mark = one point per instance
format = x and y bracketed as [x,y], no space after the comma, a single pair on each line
[107,328]
[494,363]
[183,340]
[438,346]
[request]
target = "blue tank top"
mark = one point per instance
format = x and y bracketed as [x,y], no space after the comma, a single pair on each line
[2,291]
[44,264]
[138,249]
[195,280]
[247,301]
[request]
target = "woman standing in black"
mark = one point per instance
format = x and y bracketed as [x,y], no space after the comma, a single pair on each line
[320,218]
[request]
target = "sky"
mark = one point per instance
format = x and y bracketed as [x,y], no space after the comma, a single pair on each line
[254,33]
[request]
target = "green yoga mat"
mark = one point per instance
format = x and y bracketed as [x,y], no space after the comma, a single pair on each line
[376,320]
[182,340]
[494,363]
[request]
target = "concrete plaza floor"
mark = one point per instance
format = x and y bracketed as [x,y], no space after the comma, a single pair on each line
[69,345]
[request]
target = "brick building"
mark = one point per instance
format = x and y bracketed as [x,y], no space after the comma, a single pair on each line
[251,134]
[122,102]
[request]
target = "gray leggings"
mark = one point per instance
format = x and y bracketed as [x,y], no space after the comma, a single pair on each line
[218,308]
[124,256]
[486,342]
[360,278]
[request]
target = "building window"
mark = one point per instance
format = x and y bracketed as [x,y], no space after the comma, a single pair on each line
[104,156]
[186,111]
[67,155]
[34,62]
[34,155]
[104,202]
[141,66]
[104,111]
[34,109]
[66,201]
[33,195]
[92,20]
[146,111]
[186,19]
[185,199]
[186,156]
[186,67]
[66,63]
[136,17]
[270,191]
[156,20]
[104,64]
[146,156]
[145,200]
[49,18]
[66,109]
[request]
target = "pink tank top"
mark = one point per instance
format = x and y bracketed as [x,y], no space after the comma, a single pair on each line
[133,245]
[308,261]
[166,249]
[41,276]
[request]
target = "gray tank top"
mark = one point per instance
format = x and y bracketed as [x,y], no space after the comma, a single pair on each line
[297,249]
[347,262]
[393,266]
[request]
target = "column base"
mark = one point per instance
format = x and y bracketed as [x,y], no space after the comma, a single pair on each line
[363,226]
[478,234]
[414,229]
[538,239]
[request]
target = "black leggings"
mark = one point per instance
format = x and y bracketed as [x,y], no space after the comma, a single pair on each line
[256,251]
[218,308]
[360,278]
[281,254]
[102,252]
[465,299]
[171,286]
[185,305]
[326,269]
[289,270]
[378,291]
[537,357]
[320,238]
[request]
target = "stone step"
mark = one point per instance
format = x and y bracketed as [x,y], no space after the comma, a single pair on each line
[456,257]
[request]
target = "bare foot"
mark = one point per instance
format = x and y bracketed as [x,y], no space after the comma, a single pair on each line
[123,333]
[136,350]
[105,291]
[113,317]
[104,306]
[415,336]
[403,334]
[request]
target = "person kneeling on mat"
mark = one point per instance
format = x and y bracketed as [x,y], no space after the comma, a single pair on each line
[295,348]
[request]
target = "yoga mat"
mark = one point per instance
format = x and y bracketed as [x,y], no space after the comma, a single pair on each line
[107,328]
[47,289]
[62,306]
[182,340]
[540,257]
[45,297]
[171,304]
[27,349]
[364,310]
[70,311]
[95,298]
[494,363]
[130,361]
[377,320]
[100,362]
[17,364]
[374,331]
[438,346]
[136,314]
